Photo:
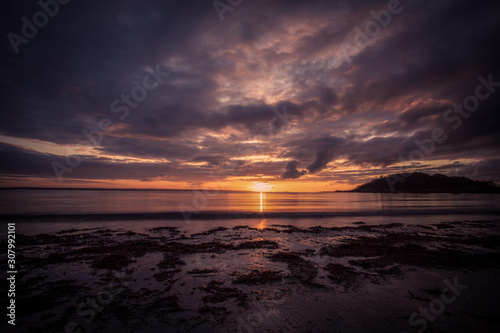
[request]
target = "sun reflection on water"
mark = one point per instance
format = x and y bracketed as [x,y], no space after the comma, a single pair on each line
[262,224]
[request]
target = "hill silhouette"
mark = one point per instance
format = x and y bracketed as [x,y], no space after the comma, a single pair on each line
[418,182]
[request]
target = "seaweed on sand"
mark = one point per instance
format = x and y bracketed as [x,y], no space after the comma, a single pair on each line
[218,294]
[202,271]
[112,261]
[170,261]
[259,244]
[217,314]
[216,247]
[288,257]
[342,275]
[298,267]
[406,249]
[257,277]
[53,294]
[210,232]
[172,230]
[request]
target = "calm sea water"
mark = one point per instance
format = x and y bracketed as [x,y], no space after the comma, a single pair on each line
[94,208]
[42,202]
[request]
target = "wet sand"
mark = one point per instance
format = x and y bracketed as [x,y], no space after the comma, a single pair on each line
[279,278]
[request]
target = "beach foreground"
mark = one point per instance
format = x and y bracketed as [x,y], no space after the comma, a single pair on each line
[361,278]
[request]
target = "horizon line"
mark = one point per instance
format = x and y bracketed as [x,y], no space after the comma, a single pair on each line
[152,189]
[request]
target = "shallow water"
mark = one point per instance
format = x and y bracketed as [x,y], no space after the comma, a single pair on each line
[39,202]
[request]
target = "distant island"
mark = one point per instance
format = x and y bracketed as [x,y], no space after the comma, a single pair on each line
[418,182]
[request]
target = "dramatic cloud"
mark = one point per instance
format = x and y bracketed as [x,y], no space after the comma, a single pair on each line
[292,172]
[275,85]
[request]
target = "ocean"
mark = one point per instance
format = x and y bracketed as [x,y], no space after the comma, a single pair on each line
[202,210]
[348,261]
[37,202]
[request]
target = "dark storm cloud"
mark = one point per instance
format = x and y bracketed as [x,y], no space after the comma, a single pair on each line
[147,148]
[324,149]
[18,161]
[225,79]
[412,119]
[291,171]
[488,169]
[376,151]
[88,48]
[173,120]
[444,68]
[321,160]
[212,160]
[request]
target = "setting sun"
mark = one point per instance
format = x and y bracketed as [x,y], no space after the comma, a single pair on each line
[262,187]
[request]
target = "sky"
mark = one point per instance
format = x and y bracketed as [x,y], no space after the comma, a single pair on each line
[247,95]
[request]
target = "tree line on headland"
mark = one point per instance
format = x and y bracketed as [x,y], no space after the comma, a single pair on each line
[418,182]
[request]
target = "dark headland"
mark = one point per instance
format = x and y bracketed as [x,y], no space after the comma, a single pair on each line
[418,182]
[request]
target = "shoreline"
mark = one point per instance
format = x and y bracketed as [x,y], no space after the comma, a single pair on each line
[259,279]
[224,215]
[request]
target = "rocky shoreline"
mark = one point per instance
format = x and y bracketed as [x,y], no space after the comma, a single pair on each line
[256,280]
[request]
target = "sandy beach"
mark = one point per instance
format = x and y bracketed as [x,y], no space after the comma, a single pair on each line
[278,278]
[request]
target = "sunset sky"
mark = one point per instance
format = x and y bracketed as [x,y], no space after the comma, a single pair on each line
[261,95]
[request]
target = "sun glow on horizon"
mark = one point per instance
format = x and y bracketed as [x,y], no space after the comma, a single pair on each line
[261,187]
